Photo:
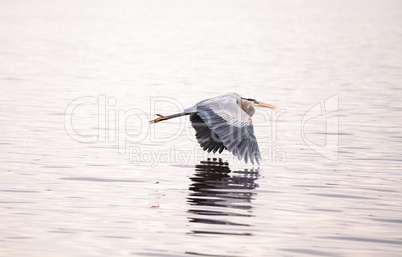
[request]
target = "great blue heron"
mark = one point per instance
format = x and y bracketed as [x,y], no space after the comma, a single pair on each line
[224,122]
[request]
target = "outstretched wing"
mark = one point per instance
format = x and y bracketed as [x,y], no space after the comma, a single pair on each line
[231,125]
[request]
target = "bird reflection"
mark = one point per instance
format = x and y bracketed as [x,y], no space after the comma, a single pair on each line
[219,196]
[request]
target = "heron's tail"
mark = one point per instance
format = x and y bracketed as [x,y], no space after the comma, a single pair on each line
[161,117]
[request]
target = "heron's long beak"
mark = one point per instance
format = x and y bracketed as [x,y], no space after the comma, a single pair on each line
[266,105]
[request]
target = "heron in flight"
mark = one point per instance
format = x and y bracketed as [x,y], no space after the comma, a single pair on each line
[224,122]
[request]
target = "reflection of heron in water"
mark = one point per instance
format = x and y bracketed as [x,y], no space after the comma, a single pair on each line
[215,192]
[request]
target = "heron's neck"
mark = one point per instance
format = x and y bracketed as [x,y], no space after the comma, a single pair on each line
[247,107]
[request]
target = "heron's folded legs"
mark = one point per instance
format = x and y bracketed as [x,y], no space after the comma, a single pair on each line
[158,119]
[161,117]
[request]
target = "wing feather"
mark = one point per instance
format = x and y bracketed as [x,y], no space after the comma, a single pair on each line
[207,139]
[229,124]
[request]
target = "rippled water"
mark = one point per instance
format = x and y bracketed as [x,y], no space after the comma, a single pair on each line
[132,189]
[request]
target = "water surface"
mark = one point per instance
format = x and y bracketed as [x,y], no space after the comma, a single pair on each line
[160,195]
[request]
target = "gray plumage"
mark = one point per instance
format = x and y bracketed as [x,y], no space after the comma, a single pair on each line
[224,122]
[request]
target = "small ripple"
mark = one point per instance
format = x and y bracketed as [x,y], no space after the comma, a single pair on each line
[11,78]
[219,213]
[340,134]
[60,232]
[19,237]
[19,191]
[326,210]
[216,222]
[360,239]
[57,166]
[117,237]
[24,213]
[308,251]
[379,190]
[98,165]
[312,186]
[387,220]
[14,202]
[57,113]
[344,196]
[220,233]
[102,180]
[208,255]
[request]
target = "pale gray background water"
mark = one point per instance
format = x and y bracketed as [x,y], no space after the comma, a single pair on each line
[60,197]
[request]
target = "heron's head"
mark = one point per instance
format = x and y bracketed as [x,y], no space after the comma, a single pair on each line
[254,102]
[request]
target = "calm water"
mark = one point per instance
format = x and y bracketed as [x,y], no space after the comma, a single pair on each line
[329,185]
